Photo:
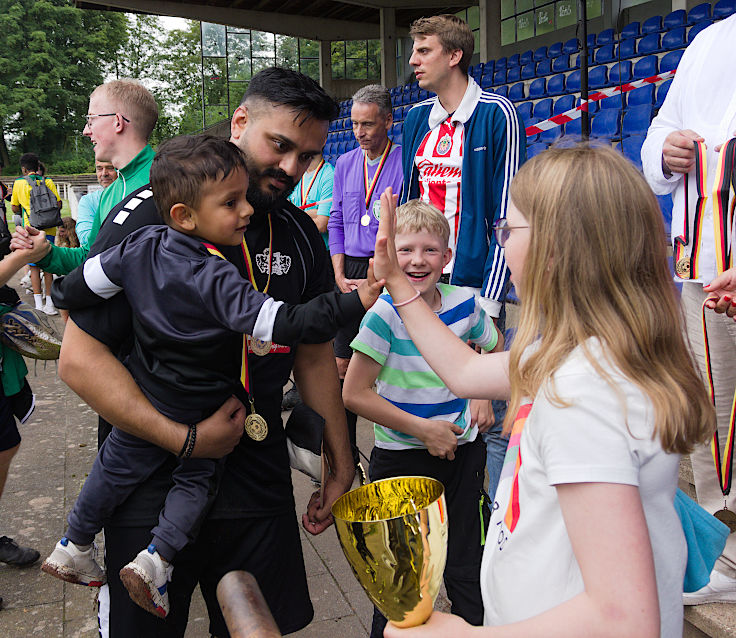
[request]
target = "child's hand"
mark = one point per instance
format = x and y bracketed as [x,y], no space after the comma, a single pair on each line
[481,414]
[440,439]
[386,265]
[370,288]
[31,239]
[439,625]
[722,293]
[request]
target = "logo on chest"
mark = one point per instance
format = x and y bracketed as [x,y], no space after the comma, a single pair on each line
[444,145]
[280,264]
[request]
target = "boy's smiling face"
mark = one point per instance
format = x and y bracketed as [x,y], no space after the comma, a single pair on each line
[422,256]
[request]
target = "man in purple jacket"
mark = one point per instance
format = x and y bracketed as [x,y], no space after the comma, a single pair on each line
[360,177]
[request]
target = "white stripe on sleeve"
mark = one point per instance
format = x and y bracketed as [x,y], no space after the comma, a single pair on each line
[96,279]
[263,329]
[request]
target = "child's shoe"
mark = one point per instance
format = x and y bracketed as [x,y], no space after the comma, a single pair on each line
[49,307]
[74,565]
[147,578]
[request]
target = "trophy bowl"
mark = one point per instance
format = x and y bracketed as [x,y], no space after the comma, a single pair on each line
[394,535]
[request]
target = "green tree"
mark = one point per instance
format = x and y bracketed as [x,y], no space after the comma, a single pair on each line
[52,56]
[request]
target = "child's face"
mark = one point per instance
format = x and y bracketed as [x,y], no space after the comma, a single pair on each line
[223,211]
[422,256]
[517,243]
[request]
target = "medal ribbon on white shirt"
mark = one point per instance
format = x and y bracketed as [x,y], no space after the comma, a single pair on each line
[309,187]
[369,188]
[255,425]
[725,182]
[687,266]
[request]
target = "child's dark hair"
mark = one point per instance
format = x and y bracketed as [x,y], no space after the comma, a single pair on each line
[183,164]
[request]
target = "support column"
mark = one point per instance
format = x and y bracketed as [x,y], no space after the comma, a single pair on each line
[325,66]
[679,4]
[490,29]
[387,32]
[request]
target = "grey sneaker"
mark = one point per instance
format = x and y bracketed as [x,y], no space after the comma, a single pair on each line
[147,579]
[13,554]
[74,565]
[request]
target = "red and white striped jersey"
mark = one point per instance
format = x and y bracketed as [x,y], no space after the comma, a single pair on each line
[439,160]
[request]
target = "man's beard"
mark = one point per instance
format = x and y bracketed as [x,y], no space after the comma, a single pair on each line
[267,201]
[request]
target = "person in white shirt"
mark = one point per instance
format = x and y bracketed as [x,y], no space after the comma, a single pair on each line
[700,107]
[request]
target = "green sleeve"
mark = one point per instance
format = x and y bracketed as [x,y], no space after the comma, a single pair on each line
[61,261]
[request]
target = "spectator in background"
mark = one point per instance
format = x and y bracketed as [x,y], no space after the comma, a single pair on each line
[313,194]
[30,167]
[66,236]
[361,175]
[89,203]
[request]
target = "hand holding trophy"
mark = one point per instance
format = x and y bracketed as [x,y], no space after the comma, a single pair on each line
[394,535]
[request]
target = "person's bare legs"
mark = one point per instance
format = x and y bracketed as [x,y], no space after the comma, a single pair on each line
[35,273]
[5,457]
[49,309]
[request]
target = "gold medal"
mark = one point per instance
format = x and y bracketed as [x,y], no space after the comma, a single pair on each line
[727,517]
[259,347]
[256,427]
[365,220]
[682,268]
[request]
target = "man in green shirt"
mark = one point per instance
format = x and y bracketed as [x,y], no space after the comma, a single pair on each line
[121,116]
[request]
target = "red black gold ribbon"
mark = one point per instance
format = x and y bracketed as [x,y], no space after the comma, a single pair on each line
[725,180]
[309,187]
[369,188]
[688,266]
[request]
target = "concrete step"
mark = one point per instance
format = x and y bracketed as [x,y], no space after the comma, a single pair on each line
[714,620]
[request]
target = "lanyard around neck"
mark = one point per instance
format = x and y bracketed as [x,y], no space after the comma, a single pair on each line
[249,263]
[311,182]
[369,188]
[687,266]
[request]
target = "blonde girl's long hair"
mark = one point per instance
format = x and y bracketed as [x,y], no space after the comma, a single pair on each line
[597,267]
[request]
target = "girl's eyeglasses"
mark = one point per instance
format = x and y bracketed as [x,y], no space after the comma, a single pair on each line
[502,231]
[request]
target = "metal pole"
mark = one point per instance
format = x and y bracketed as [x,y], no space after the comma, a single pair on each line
[585,119]
[201,60]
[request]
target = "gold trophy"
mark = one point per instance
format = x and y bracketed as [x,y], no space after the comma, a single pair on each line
[394,534]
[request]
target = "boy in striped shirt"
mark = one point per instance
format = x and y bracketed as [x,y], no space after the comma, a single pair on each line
[421,428]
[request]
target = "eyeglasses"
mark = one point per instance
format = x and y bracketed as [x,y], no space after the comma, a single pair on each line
[502,231]
[89,117]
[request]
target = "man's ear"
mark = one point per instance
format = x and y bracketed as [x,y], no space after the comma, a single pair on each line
[455,57]
[182,216]
[446,257]
[238,122]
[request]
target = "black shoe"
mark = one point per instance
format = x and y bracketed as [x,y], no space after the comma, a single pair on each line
[291,398]
[12,554]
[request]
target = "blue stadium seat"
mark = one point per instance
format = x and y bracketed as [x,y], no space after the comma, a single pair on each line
[606,36]
[516,92]
[573,83]
[620,72]
[674,39]
[513,60]
[627,49]
[528,71]
[607,124]
[513,74]
[341,148]
[398,113]
[486,80]
[631,148]
[561,64]
[643,95]
[500,63]
[540,54]
[488,69]
[699,13]
[665,204]
[697,28]
[636,120]
[535,149]
[662,93]
[530,139]
[670,61]
[526,58]
[604,54]
[525,111]
[414,96]
[652,25]
[591,40]
[538,88]
[543,109]
[544,68]
[631,30]
[650,44]
[554,50]
[598,77]
[574,128]
[502,90]
[499,77]
[565,103]
[573,46]
[723,9]
[675,19]
[591,61]
[613,102]
[550,136]
[556,84]
[646,67]
[396,130]
[593,107]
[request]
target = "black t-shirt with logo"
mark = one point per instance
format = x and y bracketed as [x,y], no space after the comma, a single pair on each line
[257,477]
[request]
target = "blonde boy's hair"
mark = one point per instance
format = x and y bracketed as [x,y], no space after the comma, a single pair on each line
[135,102]
[596,267]
[416,216]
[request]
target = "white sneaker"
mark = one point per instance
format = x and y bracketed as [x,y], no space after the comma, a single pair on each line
[74,565]
[49,307]
[720,589]
[147,579]
[26,281]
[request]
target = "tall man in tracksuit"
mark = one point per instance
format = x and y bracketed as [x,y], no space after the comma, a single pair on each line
[460,151]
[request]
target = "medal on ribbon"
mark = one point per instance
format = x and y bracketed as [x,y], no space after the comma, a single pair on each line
[260,347]
[365,219]
[686,265]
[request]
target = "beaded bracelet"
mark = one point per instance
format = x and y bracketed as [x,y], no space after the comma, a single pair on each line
[408,301]
[192,441]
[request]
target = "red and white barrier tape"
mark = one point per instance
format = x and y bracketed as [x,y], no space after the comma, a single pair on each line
[574,113]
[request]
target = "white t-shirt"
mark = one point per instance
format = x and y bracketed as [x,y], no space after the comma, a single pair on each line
[528,563]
